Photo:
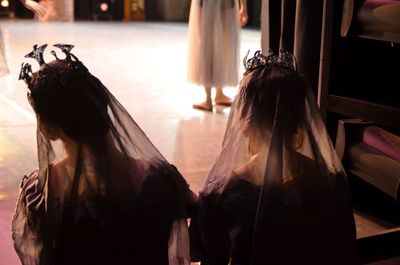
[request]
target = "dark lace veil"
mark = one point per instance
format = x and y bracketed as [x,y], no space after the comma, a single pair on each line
[276,140]
[103,194]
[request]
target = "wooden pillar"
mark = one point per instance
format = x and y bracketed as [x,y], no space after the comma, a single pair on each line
[134,10]
[325,57]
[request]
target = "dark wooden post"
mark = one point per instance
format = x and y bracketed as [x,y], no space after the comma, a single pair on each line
[134,10]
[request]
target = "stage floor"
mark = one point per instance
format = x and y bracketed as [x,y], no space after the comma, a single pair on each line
[144,66]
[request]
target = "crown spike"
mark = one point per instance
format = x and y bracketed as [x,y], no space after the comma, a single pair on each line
[54,54]
[25,73]
[66,49]
[37,54]
[245,58]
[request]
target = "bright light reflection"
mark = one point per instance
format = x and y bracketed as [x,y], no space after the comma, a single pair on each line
[2,196]
[9,83]
[5,3]
[21,110]
[104,7]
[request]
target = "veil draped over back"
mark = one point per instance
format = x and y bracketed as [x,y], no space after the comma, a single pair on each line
[277,189]
[103,194]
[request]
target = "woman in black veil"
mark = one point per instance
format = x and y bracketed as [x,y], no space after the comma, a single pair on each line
[103,194]
[277,193]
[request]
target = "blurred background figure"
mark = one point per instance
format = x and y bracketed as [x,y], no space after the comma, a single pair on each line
[51,10]
[3,61]
[214,27]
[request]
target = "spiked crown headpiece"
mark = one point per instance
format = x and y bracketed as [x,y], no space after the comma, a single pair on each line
[75,67]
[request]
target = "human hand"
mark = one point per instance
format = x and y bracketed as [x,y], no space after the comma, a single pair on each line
[243,18]
[36,7]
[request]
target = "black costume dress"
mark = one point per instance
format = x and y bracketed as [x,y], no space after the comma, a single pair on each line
[105,197]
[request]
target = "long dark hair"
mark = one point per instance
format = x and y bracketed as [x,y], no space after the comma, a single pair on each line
[261,88]
[70,102]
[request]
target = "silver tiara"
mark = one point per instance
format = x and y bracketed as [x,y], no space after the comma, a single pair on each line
[284,59]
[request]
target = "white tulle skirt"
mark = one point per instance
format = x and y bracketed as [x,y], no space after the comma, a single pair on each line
[57,10]
[3,62]
[214,43]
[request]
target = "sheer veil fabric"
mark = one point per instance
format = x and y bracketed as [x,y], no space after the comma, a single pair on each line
[214,43]
[103,193]
[3,61]
[277,189]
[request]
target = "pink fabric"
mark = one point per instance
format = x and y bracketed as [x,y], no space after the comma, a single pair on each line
[377,3]
[383,141]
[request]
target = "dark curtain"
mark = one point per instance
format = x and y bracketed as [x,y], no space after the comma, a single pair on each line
[87,10]
[21,11]
[295,26]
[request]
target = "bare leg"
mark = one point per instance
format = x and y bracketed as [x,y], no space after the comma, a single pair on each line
[221,98]
[207,104]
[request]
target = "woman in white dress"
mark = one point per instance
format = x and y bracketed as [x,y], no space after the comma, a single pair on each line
[3,62]
[214,46]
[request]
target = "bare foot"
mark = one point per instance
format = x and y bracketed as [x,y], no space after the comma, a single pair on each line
[223,100]
[206,105]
